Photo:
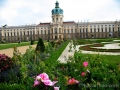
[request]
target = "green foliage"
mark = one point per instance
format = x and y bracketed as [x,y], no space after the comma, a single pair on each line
[7,86]
[40,46]
[52,43]
[83,41]
[98,72]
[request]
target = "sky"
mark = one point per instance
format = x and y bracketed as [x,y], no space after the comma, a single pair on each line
[22,12]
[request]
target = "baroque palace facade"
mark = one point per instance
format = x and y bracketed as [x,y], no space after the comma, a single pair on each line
[59,29]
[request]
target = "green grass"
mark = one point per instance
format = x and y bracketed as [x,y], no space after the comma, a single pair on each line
[112,59]
[55,55]
[11,45]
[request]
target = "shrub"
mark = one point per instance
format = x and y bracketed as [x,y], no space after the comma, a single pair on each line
[48,40]
[32,42]
[40,46]
[5,62]
[52,43]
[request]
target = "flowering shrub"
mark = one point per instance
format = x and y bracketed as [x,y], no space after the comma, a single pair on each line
[43,80]
[85,64]
[79,73]
[5,62]
[73,81]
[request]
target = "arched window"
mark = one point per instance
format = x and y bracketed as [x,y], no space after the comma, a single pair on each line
[57,19]
[55,30]
[24,33]
[59,30]
[61,19]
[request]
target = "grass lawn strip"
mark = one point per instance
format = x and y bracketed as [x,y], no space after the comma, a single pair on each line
[11,45]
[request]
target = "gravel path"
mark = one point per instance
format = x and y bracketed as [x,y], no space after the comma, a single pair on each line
[9,51]
[66,54]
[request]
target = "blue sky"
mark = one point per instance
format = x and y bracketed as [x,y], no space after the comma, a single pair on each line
[22,12]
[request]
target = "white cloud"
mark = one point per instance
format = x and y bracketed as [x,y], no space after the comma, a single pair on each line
[17,12]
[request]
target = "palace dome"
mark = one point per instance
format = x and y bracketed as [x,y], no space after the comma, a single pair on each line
[57,9]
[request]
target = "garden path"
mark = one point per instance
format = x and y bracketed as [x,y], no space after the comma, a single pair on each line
[21,49]
[66,54]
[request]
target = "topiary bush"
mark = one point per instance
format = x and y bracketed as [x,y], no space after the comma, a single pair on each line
[31,42]
[40,46]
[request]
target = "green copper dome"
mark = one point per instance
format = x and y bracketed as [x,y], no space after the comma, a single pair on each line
[57,9]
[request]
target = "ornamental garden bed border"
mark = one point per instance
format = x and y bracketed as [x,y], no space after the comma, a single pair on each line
[89,48]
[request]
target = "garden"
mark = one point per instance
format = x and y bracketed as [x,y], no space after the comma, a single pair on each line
[39,69]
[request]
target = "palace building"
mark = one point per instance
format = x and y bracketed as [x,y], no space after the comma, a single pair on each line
[59,29]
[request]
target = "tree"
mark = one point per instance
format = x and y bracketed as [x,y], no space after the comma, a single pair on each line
[40,46]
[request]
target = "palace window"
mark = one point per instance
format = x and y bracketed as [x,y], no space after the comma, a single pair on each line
[118,29]
[86,30]
[80,30]
[21,33]
[59,30]
[45,31]
[53,19]
[109,30]
[41,32]
[61,19]
[105,29]
[113,29]
[57,19]
[91,30]
[71,30]
[83,30]
[94,29]
[102,29]
[8,33]
[5,34]
[55,30]
[48,31]
[28,32]
[64,31]
[98,30]
[68,30]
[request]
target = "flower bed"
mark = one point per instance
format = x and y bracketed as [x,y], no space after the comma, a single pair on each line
[89,48]
[79,73]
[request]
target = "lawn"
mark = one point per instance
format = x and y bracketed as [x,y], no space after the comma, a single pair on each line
[11,45]
[112,59]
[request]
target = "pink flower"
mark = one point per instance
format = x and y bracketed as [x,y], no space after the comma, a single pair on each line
[83,74]
[85,64]
[44,76]
[72,81]
[36,82]
[56,88]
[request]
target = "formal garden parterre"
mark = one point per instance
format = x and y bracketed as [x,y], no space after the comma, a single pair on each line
[39,69]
